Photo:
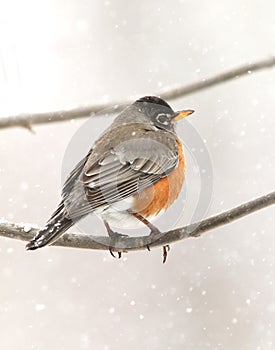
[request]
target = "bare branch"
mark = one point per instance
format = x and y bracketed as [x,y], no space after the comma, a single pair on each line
[26,120]
[74,240]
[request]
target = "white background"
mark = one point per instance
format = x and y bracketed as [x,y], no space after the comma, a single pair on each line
[215,292]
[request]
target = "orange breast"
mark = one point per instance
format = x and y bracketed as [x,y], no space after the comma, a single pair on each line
[163,193]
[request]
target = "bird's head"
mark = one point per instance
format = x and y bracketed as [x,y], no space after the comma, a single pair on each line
[159,113]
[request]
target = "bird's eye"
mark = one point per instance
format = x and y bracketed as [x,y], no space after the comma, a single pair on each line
[162,118]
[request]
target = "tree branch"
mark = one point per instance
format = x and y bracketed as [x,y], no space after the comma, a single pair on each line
[26,120]
[74,240]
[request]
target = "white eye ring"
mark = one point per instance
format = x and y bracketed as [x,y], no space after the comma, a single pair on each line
[162,118]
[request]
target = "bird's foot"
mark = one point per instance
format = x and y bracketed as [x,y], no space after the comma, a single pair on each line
[111,250]
[153,235]
[114,236]
[166,249]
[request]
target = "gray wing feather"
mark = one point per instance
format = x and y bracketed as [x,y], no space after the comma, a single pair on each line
[123,170]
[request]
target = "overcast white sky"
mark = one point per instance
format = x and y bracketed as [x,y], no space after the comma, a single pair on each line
[215,292]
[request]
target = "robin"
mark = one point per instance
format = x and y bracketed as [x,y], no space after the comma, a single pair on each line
[135,169]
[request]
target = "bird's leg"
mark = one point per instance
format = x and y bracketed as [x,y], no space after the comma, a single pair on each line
[113,236]
[154,232]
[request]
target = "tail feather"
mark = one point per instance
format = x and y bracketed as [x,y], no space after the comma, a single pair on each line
[55,227]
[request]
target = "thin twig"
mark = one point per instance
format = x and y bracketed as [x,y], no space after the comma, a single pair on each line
[87,241]
[27,120]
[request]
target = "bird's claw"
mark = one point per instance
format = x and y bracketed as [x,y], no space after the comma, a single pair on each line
[113,255]
[113,237]
[166,249]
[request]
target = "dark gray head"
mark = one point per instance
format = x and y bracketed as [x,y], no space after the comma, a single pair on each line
[151,110]
[159,113]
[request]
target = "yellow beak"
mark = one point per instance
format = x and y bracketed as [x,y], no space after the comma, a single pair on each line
[182,114]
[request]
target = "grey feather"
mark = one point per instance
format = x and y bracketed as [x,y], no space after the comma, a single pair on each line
[118,168]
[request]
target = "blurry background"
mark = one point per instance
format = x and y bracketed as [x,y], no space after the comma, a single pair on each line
[216,292]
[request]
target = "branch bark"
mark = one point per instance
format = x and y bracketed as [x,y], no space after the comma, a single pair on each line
[87,241]
[27,120]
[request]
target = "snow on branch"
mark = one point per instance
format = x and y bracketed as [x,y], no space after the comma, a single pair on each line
[27,120]
[88,241]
